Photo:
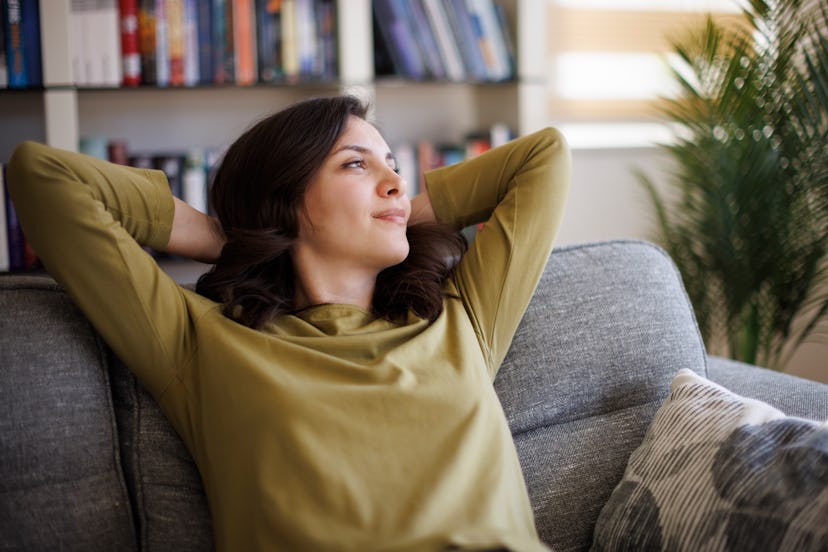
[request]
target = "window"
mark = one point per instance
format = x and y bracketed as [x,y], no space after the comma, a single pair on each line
[608,58]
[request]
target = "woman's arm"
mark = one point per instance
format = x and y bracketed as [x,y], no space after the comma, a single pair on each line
[518,191]
[421,209]
[194,235]
[87,220]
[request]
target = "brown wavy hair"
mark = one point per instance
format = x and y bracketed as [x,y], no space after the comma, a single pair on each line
[257,194]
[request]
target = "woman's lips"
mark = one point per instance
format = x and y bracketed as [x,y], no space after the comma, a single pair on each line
[397,216]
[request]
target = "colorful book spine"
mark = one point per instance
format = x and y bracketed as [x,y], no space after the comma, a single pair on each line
[269,33]
[461,24]
[15,47]
[162,44]
[204,10]
[426,40]
[228,59]
[130,51]
[219,41]
[175,40]
[244,41]
[4,68]
[192,62]
[108,42]
[490,38]
[438,18]
[290,40]
[326,44]
[31,42]
[306,38]
[399,39]
[146,41]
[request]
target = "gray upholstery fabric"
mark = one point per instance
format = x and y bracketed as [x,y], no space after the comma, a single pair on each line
[792,395]
[61,486]
[169,502]
[608,328]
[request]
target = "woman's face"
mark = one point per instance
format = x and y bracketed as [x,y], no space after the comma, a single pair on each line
[356,208]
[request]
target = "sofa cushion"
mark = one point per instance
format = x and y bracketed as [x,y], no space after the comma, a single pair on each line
[61,486]
[717,471]
[170,504]
[609,325]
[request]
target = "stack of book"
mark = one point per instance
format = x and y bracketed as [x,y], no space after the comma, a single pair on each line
[188,172]
[416,158]
[176,42]
[455,40]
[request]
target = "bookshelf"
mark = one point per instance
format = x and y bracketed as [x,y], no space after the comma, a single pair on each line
[147,117]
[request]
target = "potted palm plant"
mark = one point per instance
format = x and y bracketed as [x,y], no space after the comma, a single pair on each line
[744,208]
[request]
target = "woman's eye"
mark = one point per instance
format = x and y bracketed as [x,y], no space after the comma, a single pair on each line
[356,164]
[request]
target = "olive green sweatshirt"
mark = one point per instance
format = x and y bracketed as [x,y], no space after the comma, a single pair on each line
[330,429]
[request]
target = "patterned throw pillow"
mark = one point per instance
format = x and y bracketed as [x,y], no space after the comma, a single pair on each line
[717,471]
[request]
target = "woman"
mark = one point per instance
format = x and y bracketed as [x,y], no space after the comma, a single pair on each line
[329,398]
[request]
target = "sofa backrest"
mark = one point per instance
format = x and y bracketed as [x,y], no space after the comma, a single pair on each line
[609,326]
[61,482]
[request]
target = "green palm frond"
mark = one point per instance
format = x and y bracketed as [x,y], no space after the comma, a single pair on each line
[749,225]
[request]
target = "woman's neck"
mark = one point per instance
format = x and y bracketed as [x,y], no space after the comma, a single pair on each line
[334,285]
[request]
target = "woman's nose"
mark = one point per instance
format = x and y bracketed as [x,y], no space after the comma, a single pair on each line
[392,184]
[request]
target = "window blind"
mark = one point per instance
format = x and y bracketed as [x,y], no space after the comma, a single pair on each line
[608,58]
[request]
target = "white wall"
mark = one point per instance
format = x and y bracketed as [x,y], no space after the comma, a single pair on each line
[608,202]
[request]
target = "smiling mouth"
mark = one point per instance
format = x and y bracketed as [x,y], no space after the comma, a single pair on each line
[396,216]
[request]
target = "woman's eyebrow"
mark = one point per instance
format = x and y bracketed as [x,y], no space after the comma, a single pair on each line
[363,150]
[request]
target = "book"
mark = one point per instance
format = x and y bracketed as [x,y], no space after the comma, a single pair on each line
[192,53]
[399,39]
[194,180]
[130,51]
[4,233]
[172,164]
[244,42]
[15,48]
[269,33]
[326,43]
[437,16]
[4,69]
[306,38]
[490,38]
[174,12]
[219,41]
[108,27]
[146,42]
[224,36]
[162,44]
[424,34]
[204,9]
[290,40]
[31,43]
[406,157]
[461,25]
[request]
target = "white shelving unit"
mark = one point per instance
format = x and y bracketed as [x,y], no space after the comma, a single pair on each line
[169,118]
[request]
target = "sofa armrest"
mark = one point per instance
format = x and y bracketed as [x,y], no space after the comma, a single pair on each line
[792,395]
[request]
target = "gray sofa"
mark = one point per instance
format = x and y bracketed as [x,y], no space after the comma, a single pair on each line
[87,462]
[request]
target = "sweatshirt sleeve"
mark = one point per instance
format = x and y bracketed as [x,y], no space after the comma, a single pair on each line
[518,191]
[87,220]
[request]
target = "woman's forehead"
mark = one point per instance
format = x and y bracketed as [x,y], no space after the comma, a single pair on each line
[363,134]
